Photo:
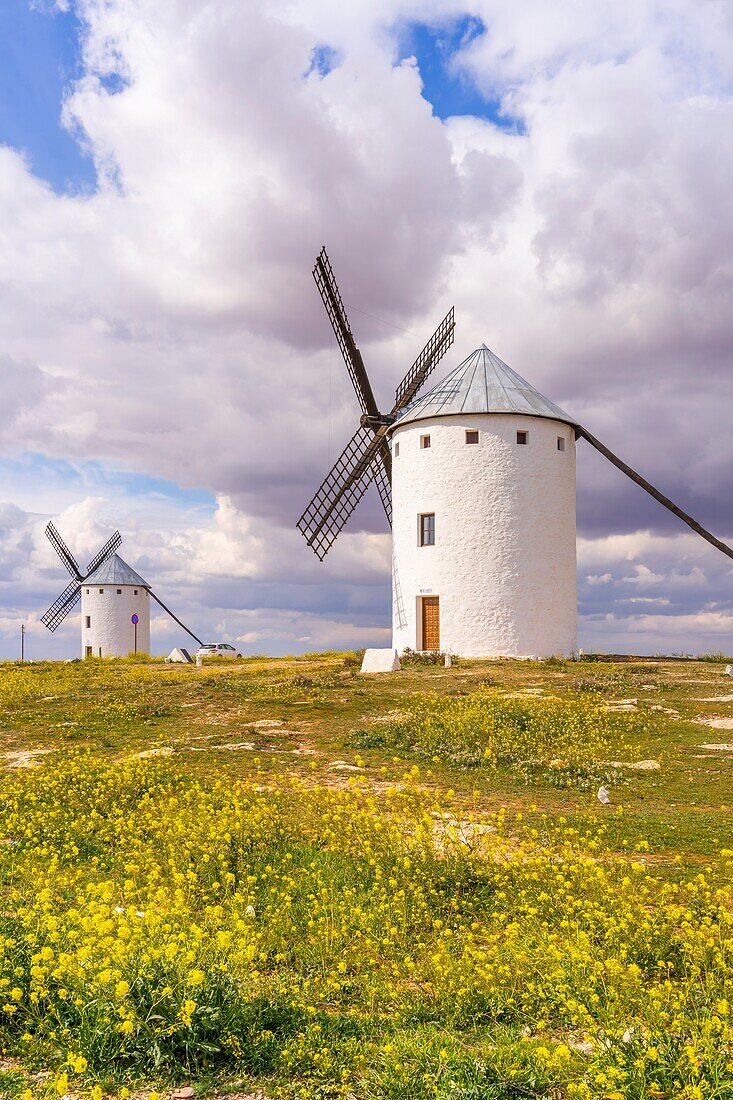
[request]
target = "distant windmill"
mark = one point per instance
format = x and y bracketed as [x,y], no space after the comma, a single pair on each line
[115,601]
[482,471]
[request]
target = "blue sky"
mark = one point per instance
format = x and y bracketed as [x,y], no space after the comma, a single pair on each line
[46,485]
[39,59]
[449,91]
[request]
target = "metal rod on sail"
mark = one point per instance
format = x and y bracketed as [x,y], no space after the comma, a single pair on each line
[649,488]
[157,600]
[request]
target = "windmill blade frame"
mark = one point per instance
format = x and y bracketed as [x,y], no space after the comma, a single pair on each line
[331,295]
[63,551]
[367,456]
[62,606]
[384,488]
[341,490]
[109,548]
[426,361]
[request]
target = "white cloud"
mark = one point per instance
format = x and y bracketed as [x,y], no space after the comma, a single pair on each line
[167,324]
[598,578]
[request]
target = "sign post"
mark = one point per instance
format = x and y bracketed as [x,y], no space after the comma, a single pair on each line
[134,619]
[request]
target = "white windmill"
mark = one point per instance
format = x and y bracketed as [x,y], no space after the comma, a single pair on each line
[480,475]
[115,602]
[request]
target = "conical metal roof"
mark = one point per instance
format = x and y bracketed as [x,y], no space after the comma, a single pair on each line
[482,383]
[114,570]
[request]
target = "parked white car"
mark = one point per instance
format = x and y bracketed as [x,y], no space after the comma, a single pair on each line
[218,649]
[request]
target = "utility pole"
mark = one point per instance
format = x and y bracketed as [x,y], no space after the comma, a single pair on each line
[22,642]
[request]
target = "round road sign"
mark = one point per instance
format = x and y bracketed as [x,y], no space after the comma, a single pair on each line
[134,619]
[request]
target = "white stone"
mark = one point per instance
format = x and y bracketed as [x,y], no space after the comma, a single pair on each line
[179,657]
[380,660]
[108,609]
[504,560]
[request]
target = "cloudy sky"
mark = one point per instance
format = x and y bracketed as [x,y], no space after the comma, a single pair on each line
[562,173]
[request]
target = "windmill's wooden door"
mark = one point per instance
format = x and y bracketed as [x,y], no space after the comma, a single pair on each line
[430,622]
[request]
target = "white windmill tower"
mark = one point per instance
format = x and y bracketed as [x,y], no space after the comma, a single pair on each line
[482,471]
[115,611]
[483,485]
[115,602]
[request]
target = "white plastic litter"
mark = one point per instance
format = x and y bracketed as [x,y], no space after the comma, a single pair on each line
[604,796]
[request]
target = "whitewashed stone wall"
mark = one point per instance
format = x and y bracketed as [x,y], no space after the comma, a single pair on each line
[111,634]
[504,560]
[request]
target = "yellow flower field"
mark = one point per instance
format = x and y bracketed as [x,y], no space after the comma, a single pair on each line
[155,926]
[281,876]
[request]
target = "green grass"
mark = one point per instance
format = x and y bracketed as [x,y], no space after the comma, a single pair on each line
[485,786]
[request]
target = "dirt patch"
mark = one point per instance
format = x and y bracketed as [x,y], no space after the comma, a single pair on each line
[716,723]
[637,766]
[26,758]
[718,748]
[618,705]
[716,699]
[148,753]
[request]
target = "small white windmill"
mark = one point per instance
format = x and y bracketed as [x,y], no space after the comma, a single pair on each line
[480,475]
[115,602]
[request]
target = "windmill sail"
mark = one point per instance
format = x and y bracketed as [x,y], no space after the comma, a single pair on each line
[109,548]
[61,606]
[331,295]
[426,361]
[67,558]
[340,491]
[367,455]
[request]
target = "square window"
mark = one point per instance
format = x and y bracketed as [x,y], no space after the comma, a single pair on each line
[471,437]
[522,438]
[119,591]
[396,449]
[88,621]
[87,591]
[101,591]
[561,443]
[136,591]
[424,442]
[426,529]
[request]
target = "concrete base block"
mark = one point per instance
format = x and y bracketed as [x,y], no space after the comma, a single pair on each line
[380,660]
[179,657]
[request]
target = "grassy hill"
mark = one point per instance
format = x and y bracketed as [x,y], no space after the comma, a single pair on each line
[281,878]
